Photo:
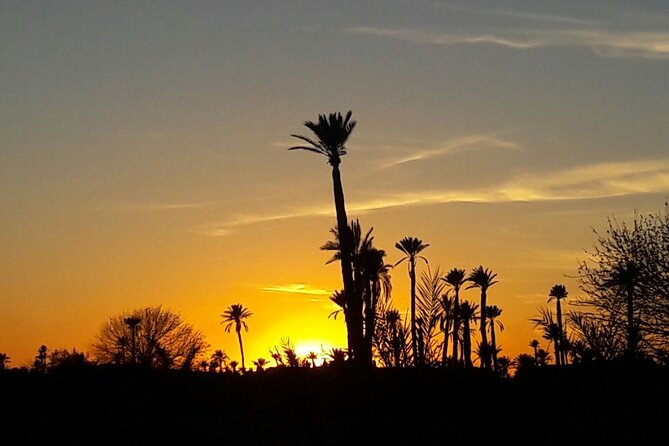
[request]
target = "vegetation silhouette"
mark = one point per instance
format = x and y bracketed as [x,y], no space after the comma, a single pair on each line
[153,379]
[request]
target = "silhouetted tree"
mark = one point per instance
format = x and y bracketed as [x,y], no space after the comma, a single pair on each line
[455,279]
[163,340]
[233,366]
[391,340]
[4,359]
[504,363]
[221,359]
[626,281]
[430,305]
[524,362]
[40,363]
[260,364]
[332,133]
[468,313]
[551,331]
[482,279]
[412,247]
[234,315]
[535,345]
[598,339]
[493,312]
[65,359]
[559,292]
[543,357]
[312,356]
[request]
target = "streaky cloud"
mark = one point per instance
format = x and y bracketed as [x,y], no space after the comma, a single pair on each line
[297,288]
[621,44]
[153,207]
[470,142]
[594,181]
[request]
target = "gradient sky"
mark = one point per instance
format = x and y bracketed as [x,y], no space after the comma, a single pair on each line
[143,153]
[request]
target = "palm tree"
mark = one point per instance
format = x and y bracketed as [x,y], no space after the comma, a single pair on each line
[559,292]
[411,247]
[550,330]
[455,279]
[233,366]
[493,312]
[312,356]
[331,133]
[535,345]
[626,277]
[483,279]
[4,359]
[260,364]
[133,322]
[468,313]
[221,358]
[235,315]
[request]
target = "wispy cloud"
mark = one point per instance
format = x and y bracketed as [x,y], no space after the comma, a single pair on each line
[628,44]
[297,288]
[470,142]
[153,207]
[595,181]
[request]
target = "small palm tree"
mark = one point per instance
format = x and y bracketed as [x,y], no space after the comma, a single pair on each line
[455,279]
[551,331]
[535,345]
[221,359]
[626,277]
[4,359]
[233,366]
[312,356]
[482,279]
[493,312]
[260,364]
[332,133]
[235,315]
[559,292]
[412,247]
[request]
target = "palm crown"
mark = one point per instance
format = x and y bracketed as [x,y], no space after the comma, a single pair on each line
[481,278]
[235,315]
[411,246]
[558,292]
[455,278]
[332,132]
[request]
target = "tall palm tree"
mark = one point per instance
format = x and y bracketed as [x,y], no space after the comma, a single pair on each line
[235,315]
[455,279]
[331,134]
[412,247]
[133,323]
[559,292]
[483,279]
[468,313]
[493,312]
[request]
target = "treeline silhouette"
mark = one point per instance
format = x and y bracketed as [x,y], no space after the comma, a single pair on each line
[434,373]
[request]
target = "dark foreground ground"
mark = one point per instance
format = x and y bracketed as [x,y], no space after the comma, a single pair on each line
[111,406]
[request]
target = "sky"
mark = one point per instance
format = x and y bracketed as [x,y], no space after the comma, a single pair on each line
[143,155]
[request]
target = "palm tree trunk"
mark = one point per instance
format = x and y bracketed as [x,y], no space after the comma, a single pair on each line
[414,336]
[493,345]
[456,325]
[485,361]
[369,322]
[353,320]
[558,308]
[241,349]
[467,345]
[444,351]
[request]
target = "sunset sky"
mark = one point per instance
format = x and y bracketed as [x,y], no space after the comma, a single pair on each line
[143,155]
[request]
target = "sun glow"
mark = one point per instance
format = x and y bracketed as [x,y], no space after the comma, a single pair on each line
[319,346]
